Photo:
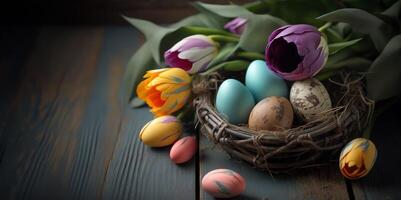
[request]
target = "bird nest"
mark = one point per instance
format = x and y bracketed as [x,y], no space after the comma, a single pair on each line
[305,145]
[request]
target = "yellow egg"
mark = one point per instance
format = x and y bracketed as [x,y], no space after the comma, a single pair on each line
[272,114]
[162,131]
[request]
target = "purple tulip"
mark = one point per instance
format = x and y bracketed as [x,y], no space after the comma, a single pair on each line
[236,25]
[193,53]
[296,52]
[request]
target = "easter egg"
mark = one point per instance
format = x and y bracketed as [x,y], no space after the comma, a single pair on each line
[162,131]
[234,101]
[357,158]
[223,183]
[308,98]
[183,150]
[272,114]
[262,82]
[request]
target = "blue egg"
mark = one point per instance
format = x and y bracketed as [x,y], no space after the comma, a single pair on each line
[264,83]
[234,101]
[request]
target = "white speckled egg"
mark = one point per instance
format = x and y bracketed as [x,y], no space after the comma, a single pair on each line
[162,131]
[223,183]
[308,98]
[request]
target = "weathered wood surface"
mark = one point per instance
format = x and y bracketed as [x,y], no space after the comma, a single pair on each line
[68,135]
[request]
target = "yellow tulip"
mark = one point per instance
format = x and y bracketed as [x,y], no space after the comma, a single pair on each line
[165,90]
[357,158]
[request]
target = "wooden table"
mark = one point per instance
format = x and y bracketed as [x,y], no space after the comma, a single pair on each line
[66,133]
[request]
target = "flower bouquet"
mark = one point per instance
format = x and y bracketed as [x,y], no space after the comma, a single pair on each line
[281,85]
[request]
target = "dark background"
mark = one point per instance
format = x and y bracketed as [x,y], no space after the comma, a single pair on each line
[70,12]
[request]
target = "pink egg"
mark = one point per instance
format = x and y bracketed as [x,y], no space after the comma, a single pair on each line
[223,183]
[183,150]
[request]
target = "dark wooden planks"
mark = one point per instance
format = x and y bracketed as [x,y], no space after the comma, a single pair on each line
[46,114]
[384,181]
[137,171]
[16,44]
[322,183]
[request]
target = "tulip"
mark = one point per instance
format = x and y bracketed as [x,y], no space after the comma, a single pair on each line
[193,53]
[165,90]
[296,52]
[236,25]
[357,158]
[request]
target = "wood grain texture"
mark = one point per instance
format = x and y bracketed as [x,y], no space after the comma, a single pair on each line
[46,114]
[135,170]
[321,183]
[384,181]
[69,135]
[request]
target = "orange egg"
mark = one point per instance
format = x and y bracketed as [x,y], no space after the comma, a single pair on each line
[272,114]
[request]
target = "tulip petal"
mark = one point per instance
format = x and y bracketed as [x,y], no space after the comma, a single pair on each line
[196,53]
[276,32]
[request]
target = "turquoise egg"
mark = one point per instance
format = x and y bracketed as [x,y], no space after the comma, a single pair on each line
[264,83]
[234,101]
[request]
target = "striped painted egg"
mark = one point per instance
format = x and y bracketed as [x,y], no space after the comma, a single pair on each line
[223,183]
[162,131]
[183,150]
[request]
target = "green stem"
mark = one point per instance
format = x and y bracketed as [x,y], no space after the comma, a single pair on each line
[325,26]
[223,38]
[250,55]
[234,65]
[192,30]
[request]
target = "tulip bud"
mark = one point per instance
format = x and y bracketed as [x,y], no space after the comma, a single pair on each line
[236,25]
[192,54]
[165,90]
[357,158]
[296,52]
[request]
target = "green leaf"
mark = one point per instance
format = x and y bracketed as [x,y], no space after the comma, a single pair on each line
[354,63]
[137,102]
[333,36]
[257,31]
[393,11]
[384,76]
[233,65]
[336,47]
[161,38]
[300,11]
[224,53]
[362,22]
[258,27]
[153,33]
[223,11]
[138,64]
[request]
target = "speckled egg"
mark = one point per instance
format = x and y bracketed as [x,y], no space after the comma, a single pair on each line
[308,98]
[262,82]
[183,150]
[223,183]
[162,131]
[234,101]
[272,114]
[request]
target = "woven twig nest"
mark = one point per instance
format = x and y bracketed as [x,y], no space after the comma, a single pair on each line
[309,144]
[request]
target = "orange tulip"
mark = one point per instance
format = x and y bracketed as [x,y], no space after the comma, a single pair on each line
[165,90]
